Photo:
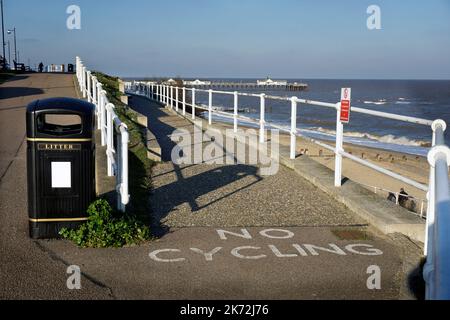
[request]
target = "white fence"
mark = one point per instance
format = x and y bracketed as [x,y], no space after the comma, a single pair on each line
[114,133]
[437,244]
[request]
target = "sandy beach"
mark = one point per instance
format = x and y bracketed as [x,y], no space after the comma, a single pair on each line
[410,166]
[407,165]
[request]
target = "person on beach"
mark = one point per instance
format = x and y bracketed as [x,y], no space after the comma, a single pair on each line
[403,197]
[404,200]
[391,197]
[41,67]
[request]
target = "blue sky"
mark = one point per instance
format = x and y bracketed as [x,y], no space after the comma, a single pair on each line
[239,38]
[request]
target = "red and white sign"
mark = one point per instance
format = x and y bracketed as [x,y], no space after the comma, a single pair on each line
[346,98]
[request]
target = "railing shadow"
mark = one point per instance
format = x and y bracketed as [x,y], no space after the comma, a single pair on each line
[160,129]
[185,190]
[188,190]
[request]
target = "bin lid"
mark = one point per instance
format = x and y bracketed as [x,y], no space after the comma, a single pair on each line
[41,116]
[66,105]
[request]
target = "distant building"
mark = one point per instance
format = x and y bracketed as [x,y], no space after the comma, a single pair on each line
[270,82]
[196,83]
[170,81]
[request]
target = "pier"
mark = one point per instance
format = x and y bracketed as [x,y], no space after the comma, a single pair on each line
[282,85]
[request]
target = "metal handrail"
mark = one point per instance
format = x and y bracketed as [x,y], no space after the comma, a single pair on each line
[437,243]
[109,125]
[166,97]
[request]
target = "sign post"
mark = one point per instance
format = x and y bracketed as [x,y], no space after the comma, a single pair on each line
[343,116]
[346,96]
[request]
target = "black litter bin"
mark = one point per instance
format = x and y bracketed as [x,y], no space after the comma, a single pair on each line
[70,68]
[61,164]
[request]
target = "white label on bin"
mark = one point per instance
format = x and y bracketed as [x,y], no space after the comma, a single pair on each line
[61,175]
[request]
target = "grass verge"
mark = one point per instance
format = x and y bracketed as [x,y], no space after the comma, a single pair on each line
[106,227]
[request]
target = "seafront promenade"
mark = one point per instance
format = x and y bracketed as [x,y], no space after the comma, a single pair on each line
[27,269]
[226,232]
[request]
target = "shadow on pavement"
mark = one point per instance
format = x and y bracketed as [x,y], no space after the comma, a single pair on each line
[13,78]
[189,189]
[160,129]
[14,92]
[416,283]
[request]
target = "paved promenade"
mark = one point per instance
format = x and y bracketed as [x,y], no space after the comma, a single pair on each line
[27,269]
[230,233]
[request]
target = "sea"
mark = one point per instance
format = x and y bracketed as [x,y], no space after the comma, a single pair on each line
[427,99]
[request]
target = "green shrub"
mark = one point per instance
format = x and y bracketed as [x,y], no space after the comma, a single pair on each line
[106,228]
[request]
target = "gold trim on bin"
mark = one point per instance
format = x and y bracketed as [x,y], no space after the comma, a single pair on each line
[58,220]
[57,140]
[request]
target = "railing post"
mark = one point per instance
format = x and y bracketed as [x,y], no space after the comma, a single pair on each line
[103,116]
[262,120]
[171,97]
[99,91]
[89,79]
[431,207]
[436,271]
[166,95]
[99,104]
[236,110]
[176,98]
[77,65]
[110,138]
[193,103]
[184,101]
[210,93]
[83,87]
[339,148]
[124,192]
[293,127]
[94,90]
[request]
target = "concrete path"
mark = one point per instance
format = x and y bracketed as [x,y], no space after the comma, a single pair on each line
[27,269]
[231,195]
[230,232]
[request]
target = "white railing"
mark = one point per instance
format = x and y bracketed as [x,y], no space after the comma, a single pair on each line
[113,131]
[165,94]
[437,243]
